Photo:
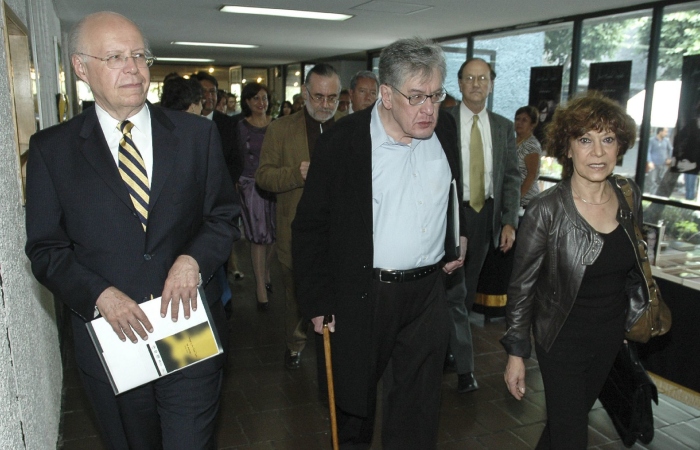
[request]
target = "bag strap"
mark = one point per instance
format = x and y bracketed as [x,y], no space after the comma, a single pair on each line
[624,185]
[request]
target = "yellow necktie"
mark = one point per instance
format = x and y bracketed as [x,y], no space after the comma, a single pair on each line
[476,168]
[133,172]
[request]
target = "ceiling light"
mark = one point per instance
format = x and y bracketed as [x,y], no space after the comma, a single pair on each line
[199,60]
[211,70]
[284,13]
[214,44]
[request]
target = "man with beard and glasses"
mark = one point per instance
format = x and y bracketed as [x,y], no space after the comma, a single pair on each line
[284,162]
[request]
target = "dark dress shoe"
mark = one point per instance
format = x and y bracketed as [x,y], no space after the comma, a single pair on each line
[263,306]
[450,365]
[292,361]
[268,286]
[466,383]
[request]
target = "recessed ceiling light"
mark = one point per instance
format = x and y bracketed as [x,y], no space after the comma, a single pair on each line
[214,44]
[199,60]
[285,13]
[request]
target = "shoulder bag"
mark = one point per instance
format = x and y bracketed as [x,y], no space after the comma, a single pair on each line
[656,318]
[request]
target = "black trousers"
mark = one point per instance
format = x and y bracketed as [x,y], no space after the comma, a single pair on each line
[573,372]
[410,329]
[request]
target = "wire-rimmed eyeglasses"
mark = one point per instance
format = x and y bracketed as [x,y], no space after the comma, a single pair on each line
[141,60]
[319,98]
[419,99]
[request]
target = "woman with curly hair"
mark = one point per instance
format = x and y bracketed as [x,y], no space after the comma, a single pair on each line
[576,279]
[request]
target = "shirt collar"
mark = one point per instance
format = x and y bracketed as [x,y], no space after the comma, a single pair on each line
[378,133]
[468,113]
[141,120]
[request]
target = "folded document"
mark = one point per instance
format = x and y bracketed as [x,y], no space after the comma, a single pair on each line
[172,346]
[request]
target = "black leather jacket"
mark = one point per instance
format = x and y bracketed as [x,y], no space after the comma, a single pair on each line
[555,244]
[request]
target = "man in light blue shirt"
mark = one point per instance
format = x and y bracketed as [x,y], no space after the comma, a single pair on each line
[369,248]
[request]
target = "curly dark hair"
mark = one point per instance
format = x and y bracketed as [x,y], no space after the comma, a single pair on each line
[589,111]
[250,90]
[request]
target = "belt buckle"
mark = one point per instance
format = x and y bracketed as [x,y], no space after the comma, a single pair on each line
[388,272]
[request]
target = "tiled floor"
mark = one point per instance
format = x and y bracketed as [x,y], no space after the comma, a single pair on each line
[265,406]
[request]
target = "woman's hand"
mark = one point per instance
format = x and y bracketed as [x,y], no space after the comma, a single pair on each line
[515,376]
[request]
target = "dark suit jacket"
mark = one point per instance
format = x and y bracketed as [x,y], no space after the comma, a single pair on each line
[83,235]
[506,178]
[229,144]
[333,247]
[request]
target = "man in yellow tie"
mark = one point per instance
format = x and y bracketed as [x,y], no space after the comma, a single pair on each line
[126,202]
[491,201]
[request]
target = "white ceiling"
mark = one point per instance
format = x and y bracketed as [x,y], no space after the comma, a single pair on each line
[284,40]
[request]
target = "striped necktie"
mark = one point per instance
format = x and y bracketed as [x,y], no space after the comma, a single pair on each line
[133,172]
[476,168]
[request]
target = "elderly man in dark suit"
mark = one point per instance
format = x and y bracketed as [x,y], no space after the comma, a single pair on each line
[491,201]
[368,244]
[127,202]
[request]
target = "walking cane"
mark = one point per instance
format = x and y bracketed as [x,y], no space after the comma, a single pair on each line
[329,377]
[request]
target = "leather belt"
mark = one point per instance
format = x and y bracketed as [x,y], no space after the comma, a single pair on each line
[400,276]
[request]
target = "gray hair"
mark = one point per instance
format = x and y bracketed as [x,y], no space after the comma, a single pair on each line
[363,74]
[75,36]
[411,57]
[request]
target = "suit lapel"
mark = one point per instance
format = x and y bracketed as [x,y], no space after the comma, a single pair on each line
[497,146]
[94,148]
[165,149]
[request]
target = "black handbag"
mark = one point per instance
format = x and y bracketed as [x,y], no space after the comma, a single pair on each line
[627,396]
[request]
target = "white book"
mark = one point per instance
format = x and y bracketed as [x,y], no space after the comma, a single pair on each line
[171,347]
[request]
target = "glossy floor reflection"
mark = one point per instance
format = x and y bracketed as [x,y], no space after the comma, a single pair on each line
[265,406]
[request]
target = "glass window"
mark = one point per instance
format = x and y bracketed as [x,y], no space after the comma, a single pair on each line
[680,36]
[620,37]
[512,56]
[455,55]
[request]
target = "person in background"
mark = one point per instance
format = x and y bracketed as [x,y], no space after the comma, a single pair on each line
[364,87]
[284,163]
[222,101]
[182,94]
[343,104]
[490,202]
[297,103]
[576,282]
[529,152]
[285,109]
[658,158]
[258,206]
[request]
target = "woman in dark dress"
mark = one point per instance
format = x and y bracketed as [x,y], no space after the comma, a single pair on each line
[258,206]
[576,276]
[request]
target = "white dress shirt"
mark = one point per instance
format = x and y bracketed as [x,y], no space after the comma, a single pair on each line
[410,188]
[140,134]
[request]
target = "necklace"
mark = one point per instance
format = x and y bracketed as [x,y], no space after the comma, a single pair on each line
[591,203]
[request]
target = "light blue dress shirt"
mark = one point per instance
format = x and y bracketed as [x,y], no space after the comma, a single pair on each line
[410,189]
